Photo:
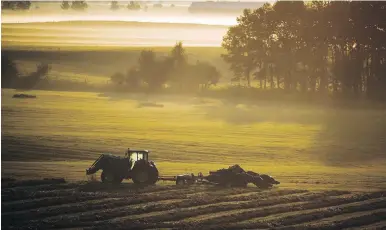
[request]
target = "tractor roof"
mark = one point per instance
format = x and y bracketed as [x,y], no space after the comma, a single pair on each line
[138,150]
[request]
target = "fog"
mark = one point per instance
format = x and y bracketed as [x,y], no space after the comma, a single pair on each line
[46,24]
[51,12]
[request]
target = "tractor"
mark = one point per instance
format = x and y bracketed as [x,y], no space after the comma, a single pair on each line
[135,165]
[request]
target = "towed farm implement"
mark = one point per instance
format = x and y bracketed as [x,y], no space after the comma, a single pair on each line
[135,165]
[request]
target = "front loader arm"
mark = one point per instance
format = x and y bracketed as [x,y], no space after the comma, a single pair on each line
[97,165]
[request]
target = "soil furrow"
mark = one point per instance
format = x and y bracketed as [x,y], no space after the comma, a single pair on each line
[49,201]
[48,184]
[178,213]
[194,202]
[23,196]
[311,212]
[376,225]
[55,210]
[138,206]
[227,219]
[360,222]
[335,220]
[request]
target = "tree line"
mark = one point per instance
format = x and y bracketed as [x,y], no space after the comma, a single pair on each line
[75,5]
[16,5]
[114,5]
[151,73]
[11,77]
[336,47]
[172,71]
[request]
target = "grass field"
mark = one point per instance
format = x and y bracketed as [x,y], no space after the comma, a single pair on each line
[302,146]
[330,162]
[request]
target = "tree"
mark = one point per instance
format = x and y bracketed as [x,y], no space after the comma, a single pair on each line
[178,55]
[133,6]
[312,47]
[117,78]
[16,5]
[65,5]
[114,5]
[236,43]
[207,74]
[158,5]
[133,78]
[31,80]
[9,72]
[79,5]
[178,59]
[154,73]
[23,5]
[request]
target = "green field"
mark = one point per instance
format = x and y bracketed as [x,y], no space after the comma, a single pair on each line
[62,133]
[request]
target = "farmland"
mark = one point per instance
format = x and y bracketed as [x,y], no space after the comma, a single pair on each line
[58,205]
[330,162]
[329,156]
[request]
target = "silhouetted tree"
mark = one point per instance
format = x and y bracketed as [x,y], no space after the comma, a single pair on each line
[133,78]
[9,72]
[179,61]
[31,80]
[16,5]
[158,5]
[114,5]
[133,5]
[318,46]
[79,5]
[117,78]
[65,5]
[207,74]
[154,73]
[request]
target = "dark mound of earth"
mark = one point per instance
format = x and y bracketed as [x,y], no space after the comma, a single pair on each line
[22,95]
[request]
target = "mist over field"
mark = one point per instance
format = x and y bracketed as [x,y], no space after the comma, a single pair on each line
[100,11]
[50,26]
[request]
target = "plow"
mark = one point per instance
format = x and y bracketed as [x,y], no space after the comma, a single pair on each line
[135,166]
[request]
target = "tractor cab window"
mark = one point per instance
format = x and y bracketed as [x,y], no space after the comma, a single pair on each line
[139,156]
[136,156]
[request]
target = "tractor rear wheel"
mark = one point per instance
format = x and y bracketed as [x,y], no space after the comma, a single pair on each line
[180,181]
[109,177]
[145,174]
[153,171]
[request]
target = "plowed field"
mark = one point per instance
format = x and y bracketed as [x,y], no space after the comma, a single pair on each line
[55,204]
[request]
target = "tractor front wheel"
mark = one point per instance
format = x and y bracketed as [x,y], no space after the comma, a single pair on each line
[110,178]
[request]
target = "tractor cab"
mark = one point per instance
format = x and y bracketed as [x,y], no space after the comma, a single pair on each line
[136,155]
